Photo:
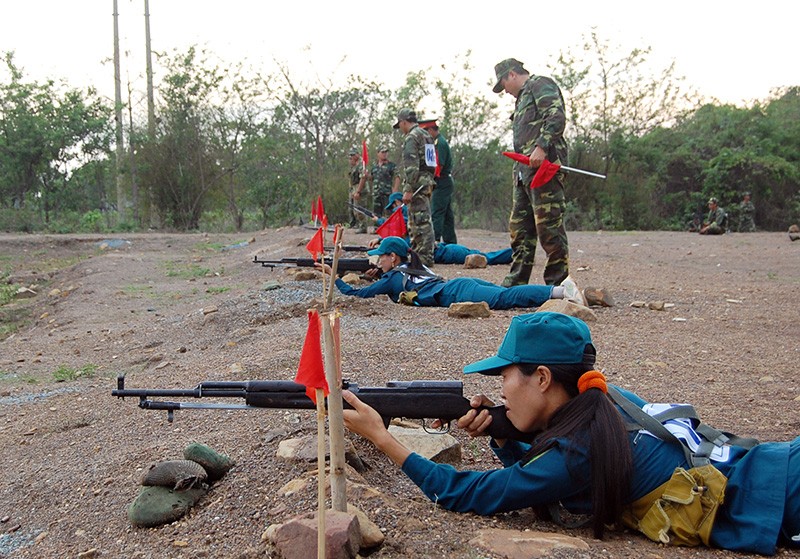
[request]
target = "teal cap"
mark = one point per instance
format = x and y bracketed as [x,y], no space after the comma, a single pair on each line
[391,244]
[393,197]
[541,338]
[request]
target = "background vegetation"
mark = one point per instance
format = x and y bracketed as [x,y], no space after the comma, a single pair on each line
[235,150]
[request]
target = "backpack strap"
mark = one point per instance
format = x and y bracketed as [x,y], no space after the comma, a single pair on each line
[712,438]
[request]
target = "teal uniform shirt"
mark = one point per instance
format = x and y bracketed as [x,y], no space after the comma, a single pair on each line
[762,498]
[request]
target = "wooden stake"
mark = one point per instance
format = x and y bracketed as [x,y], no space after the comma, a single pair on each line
[330,345]
[321,506]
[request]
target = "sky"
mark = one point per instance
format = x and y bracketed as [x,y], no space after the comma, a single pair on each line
[732,51]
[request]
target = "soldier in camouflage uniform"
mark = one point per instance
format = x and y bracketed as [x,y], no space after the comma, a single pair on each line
[536,214]
[419,163]
[747,213]
[384,181]
[717,220]
[357,181]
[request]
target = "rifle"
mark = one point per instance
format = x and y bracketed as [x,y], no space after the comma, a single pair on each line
[351,248]
[345,265]
[361,209]
[417,399]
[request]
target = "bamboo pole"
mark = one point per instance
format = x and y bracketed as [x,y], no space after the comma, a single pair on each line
[333,374]
[321,506]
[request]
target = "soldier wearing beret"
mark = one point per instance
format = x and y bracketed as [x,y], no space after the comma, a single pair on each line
[444,226]
[538,123]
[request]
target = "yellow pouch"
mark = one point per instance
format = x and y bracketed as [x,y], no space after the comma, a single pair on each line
[408,297]
[682,510]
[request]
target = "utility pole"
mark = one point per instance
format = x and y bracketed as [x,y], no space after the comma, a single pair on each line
[118,119]
[151,109]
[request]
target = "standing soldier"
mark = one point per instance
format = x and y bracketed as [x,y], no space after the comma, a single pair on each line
[538,123]
[747,213]
[357,181]
[384,180]
[444,226]
[419,163]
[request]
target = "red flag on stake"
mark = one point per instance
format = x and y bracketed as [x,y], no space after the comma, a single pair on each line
[320,208]
[310,371]
[395,226]
[316,246]
[314,210]
[364,154]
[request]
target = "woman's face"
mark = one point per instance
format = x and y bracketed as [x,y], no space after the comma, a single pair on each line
[525,400]
[386,261]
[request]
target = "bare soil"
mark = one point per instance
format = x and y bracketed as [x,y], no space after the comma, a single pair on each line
[72,455]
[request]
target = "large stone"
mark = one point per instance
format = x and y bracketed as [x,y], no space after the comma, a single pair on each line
[371,535]
[598,297]
[566,307]
[475,261]
[514,544]
[469,310]
[297,539]
[155,506]
[437,447]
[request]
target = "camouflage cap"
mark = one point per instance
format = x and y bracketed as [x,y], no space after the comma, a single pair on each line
[712,200]
[405,114]
[746,194]
[501,70]
[383,148]
[353,151]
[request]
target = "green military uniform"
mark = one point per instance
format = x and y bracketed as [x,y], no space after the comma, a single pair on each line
[418,179]
[747,213]
[716,222]
[382,177]
[539,119]
[356,218]
[444,226]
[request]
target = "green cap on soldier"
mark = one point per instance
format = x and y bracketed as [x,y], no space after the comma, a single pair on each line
[542,338]
[383,148]
[501,70]
[353,151]
[405,114]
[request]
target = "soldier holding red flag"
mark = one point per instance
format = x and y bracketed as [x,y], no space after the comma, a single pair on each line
[539,120]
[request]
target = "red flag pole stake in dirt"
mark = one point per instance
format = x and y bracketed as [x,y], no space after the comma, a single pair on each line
[546,170]
[311,374]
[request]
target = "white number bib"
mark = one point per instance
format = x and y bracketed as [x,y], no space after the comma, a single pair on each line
[430,155]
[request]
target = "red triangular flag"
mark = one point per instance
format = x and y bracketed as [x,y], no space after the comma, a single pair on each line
[310,371]
[395,226]
[316,246]
[524,159]
[325,222]
[544,173]
[364,154]
[320,208]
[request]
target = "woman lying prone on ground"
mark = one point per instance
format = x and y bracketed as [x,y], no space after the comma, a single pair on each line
[591,454]
[406,280]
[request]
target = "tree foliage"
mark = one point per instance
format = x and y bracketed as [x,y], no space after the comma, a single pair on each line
[238,149]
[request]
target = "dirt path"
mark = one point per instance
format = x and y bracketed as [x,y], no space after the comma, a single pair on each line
[173,310]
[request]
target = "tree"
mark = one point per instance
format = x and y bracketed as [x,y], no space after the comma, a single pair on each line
[46,133]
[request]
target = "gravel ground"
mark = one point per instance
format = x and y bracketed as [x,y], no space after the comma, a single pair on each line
[174,310]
